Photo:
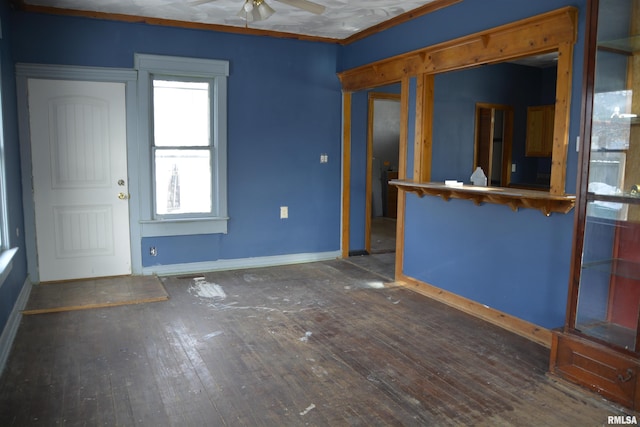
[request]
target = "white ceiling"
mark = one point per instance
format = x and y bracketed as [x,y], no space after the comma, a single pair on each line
[340,19]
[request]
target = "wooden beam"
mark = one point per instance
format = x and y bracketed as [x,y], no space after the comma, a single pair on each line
[539,34]
[423,142]
[402,174]
[551,31]
[561,119]
[346,171]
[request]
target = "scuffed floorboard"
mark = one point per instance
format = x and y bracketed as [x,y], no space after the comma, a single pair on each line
[320,344]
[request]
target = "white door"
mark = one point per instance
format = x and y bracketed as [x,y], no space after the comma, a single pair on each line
[78,150]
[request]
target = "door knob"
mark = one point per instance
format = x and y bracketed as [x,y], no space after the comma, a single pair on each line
[123,196]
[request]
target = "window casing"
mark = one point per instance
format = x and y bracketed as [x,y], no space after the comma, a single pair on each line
[4,223]
[182,106]
[6,253]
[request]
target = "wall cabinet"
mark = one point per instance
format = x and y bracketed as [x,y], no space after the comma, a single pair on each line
[539,140]
[599,345]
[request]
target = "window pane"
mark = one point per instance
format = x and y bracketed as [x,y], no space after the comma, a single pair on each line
[183,181]
[180,114]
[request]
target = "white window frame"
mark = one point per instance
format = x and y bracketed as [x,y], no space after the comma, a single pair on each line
[6,253]
[4,220]
[166,67]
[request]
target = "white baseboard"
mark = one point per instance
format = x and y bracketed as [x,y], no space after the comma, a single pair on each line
[239,263]
[11,328]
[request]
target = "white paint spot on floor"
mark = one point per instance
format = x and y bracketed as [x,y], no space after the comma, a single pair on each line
[375,284]
[306,336]
[319,371]
[204,289]
[306,411]
[250,278]
[213,335]
[371,377]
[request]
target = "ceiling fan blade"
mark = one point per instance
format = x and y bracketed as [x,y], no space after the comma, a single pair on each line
[307,5]
[199,2]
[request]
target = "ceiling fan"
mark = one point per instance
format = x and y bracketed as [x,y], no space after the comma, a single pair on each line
[259,10]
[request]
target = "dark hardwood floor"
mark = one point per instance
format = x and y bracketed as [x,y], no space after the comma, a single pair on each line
[383,235]
[320,344]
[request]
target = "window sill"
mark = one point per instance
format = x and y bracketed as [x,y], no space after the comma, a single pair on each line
[6,263]
[514,198]
[183,227]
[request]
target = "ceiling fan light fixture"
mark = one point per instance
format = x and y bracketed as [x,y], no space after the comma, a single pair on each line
[264,10]
[255,10]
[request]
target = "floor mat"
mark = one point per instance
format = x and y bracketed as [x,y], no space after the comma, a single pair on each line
[94,293]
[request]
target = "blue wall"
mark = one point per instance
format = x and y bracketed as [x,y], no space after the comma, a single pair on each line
[455,97]
[283,113]
[12,286]
[516,262]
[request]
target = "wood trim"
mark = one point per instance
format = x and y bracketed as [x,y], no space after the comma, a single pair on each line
[404,131]
[512,197]
[561,119]
[588,85]
[539,34]
[555,30]
[346,171]
[400,19]
[402,173]
[172,23]
[423,142]
[506,321]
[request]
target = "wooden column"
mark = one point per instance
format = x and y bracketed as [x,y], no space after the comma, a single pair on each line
[423,142]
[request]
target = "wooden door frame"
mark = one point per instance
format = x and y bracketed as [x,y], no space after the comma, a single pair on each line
[507,140]
[346,170]
[24,72]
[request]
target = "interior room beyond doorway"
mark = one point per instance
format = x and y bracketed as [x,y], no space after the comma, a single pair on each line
[383,161]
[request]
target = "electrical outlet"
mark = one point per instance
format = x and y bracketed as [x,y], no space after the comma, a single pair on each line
[513,167]
[153,251]
[284,212]
[324,158]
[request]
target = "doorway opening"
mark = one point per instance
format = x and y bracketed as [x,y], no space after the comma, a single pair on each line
[383,153]
[494,136]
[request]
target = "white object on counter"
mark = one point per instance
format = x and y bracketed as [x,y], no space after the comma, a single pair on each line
[478,177]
